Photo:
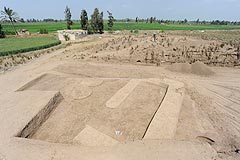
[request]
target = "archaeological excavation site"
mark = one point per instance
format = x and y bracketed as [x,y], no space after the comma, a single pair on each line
[124,96]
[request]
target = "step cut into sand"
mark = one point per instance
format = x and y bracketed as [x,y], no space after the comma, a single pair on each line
[92,137]
[122,94]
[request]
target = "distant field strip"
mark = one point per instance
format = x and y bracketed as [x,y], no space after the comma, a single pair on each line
[54,26]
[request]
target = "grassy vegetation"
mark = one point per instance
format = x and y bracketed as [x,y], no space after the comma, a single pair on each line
[16,45]
[157,26]
[54,26]
[36,27]
[19,45]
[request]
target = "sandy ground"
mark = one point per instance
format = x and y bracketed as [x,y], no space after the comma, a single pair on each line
[131,117]
[207,125]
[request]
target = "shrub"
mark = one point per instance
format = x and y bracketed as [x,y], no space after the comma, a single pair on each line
[43,31]
[135,31]
[90,29]
[66,37]
[2,34]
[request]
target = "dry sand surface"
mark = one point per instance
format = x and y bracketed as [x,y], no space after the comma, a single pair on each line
[197,68]
[122,96]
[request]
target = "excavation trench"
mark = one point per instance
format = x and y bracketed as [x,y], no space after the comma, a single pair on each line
[117,110]
[29,130]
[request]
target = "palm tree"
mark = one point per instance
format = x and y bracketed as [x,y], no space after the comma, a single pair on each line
[9,14]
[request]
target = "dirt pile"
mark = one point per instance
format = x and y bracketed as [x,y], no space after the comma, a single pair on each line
[200,68]
[197,68]
[180,67]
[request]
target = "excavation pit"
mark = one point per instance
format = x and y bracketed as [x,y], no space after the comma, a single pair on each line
[99,111]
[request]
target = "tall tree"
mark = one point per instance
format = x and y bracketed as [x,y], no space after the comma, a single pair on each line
[151,19]
[9,14]
[110,21]
[197,21]
[95,20]
[84,19]
[2,34]
[185,20]
[68,17]
[136,20]
[154,19]
[100,23]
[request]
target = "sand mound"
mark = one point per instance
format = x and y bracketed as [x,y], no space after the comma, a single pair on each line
[197,68]
[200,68]
[180,67]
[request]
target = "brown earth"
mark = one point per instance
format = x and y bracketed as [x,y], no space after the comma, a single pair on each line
[166,115]
[197,68]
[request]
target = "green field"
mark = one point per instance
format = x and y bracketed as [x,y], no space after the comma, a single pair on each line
[19,45]
[54,26]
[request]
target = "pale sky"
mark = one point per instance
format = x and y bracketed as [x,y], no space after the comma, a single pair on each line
[162,9]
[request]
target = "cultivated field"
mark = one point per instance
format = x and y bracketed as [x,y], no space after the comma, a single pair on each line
[15,45]
[125,96]
[54,26]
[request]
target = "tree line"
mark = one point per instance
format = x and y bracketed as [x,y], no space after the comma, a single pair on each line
[185,21]
[93,25]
